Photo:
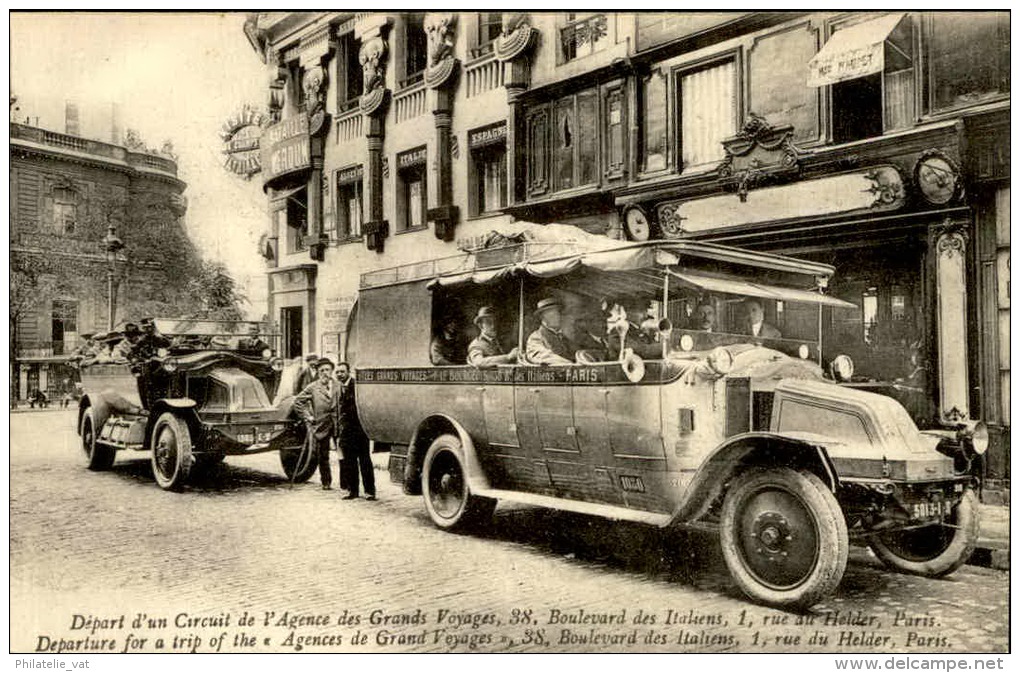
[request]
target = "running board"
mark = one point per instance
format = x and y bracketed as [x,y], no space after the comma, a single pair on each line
[590,508]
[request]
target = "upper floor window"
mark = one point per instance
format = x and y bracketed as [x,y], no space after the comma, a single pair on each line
[968,56]
[412,189]
[487,170]
[582,35]
[707,99]
[296,219]
[350,80]
[563,143]
[654,106]
[490,25]
[415,48]
[296,88]
[65,210]
[349,210]
[869,65]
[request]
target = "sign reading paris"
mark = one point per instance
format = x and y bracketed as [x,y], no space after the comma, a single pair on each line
[241,135]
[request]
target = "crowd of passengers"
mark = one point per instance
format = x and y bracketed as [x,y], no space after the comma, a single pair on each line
[140,343]
[627,327]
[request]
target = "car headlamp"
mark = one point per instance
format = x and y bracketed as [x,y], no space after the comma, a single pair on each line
[162,352]
[276,364]
[686,342]
[974,436]
[842,368]
[267,353]
[803,351]
[720,360]
[170,364]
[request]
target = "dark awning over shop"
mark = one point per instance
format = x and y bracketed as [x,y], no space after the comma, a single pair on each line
[856,51]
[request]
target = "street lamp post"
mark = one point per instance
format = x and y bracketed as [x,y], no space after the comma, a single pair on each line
[113,246]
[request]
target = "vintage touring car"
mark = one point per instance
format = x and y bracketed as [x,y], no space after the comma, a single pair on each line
[199,396]
[766,439]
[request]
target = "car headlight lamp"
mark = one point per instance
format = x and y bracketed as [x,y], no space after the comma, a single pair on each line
[842,368]
[170,364]
[720,361]
[276,364]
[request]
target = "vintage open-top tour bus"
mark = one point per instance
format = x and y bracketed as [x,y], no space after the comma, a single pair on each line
[768,439]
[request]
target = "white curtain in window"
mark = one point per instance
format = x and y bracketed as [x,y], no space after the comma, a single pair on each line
[414,198]
[707,113]
[354,215]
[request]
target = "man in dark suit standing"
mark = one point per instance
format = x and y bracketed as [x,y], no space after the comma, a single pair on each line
[318,404]
[352,442]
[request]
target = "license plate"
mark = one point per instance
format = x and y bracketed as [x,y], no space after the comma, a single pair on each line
[258,437]
[932,509]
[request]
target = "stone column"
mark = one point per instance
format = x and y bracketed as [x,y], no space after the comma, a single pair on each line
[513,49]
[951,323]
[441,75]
[371,29]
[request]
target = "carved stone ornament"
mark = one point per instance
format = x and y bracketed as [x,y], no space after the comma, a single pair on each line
[887,186]
[314,85]
[440,29]
[757,155]
[937,178]
[670,220]
[373,64]
[517,36]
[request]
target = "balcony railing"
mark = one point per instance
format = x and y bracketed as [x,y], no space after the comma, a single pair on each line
[96,148]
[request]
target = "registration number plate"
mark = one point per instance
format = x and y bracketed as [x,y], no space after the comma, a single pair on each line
[256,436]
[932,509]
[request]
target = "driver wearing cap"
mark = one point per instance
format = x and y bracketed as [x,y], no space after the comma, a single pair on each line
[548,345]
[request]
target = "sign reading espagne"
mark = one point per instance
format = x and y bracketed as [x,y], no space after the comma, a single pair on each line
[241,136]
[286,147]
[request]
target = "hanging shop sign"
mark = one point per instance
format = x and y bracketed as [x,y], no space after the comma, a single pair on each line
[241,135]
[286,148]
[871,190]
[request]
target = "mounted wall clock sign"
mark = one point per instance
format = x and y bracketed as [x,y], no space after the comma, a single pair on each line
[635,224]
[937,178]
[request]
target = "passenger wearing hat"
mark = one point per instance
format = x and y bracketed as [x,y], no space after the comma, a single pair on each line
[253,343]
[548,345]
[318,405]
[486,351]
[307,374]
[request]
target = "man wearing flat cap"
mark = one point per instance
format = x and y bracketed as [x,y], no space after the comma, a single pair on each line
[307,374]
[318,405]
[548,345]
[486,351]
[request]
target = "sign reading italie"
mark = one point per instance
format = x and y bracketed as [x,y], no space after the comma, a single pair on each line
[241,135]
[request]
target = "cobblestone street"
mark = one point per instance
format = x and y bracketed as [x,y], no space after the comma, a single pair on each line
[319,574]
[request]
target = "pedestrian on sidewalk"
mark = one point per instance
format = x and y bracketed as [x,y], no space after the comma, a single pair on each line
[351,440]
[318,405]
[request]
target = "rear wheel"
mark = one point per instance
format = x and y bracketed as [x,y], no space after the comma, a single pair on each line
[935,550]
[448,498]
[98,456]
[171,452]
[784,537]
[299,462]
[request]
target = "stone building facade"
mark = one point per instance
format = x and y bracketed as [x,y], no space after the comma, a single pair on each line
[877,142]
[65,190]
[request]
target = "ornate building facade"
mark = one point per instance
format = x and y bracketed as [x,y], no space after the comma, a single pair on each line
[65,192]
[876,142]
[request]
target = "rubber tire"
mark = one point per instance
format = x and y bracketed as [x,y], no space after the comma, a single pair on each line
[948,558]
[444,461]
[183,459]
[831,546]
[289,458]
[98,457]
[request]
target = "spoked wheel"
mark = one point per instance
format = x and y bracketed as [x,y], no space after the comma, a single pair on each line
[171,452]
[935,550]
[784,537]
[98,456]
[448,497]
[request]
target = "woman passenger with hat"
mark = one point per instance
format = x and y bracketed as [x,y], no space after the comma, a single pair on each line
[548,345]
[486,351]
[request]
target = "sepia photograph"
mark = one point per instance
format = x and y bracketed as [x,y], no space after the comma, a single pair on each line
[396,332]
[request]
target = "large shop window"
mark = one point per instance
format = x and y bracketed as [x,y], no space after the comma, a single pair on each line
[969,57]
[349,206]
[582,35]
[349,76]
[415,46]
[562,143]
[869,65]
[487,170]
[412,189]
[708,112]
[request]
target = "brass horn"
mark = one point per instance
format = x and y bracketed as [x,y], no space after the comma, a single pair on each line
[633,366]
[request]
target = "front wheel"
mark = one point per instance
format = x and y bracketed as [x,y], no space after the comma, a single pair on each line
[171,452]
[448,498]
[98,456]
[935,550]
[784,537]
